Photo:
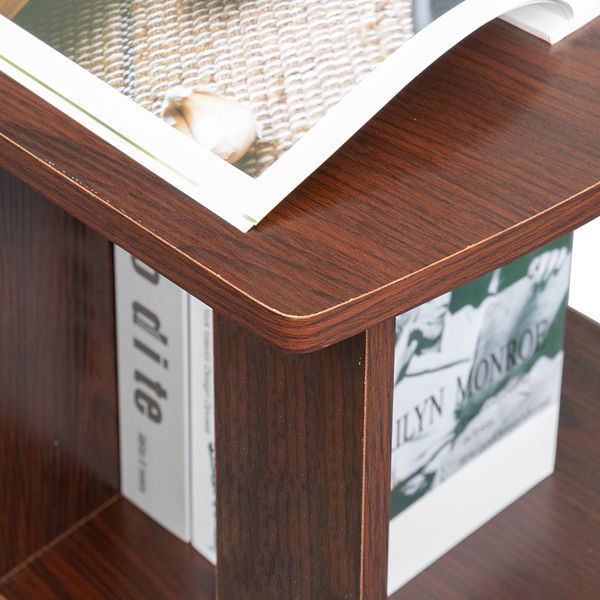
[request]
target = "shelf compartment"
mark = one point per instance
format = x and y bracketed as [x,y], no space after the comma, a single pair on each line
[545,545]
[118,554]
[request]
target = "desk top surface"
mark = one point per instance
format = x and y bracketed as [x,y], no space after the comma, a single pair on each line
[490,153]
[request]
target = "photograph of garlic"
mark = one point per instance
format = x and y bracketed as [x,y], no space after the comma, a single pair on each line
[222,126]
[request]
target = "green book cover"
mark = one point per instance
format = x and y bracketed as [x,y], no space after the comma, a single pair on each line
[471,367]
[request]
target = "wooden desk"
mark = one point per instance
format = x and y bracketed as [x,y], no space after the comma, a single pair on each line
[488,155]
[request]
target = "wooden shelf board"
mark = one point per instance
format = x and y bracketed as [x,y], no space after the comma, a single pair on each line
[59,440]
[119,554]
[545,545]
[490,153]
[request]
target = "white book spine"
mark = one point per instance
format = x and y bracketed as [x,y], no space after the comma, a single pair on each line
[584,295]
[203,430]
[152,315]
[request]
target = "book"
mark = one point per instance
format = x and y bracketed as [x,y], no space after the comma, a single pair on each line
[475,407]
[152,327]
[553,22]
[203,501]
[166,402]
[585,286]
[184,86]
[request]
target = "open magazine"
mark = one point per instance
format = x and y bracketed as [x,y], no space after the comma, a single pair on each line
[236,103]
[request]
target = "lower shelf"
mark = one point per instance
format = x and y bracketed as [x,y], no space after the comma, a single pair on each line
[544,546]
[117,554]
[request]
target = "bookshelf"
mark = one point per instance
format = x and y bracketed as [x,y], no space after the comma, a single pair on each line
[489,154]
[543,546]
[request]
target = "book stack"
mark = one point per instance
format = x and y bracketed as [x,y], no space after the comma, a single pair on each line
[475,407]
[166,417]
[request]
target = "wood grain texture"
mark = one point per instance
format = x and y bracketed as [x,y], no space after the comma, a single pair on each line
[9,8]
[379,388]
[58,407]
[490,153]
[546,546]
[298,455]
[120,554]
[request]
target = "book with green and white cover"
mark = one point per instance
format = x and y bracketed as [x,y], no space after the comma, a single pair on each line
[236,103]
[475,407]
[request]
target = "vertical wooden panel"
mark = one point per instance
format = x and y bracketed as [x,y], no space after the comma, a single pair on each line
[290,440]
[379,387]
[58,436]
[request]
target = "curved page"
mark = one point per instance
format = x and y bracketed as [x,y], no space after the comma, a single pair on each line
[234,103]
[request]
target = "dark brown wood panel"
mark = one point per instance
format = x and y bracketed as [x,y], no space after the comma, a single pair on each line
[546,546]
[298,501]
[491,152]
[58,407]
[379,388]
[120,554]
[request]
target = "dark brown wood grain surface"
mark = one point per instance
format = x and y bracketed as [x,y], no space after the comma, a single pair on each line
[490,153]
[58,410]
[303,446]
[119,554]
[377,450]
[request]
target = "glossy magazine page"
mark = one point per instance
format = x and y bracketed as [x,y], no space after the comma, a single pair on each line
[234,103]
